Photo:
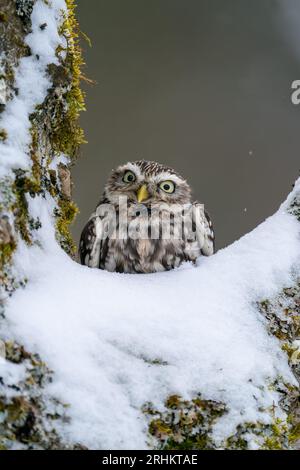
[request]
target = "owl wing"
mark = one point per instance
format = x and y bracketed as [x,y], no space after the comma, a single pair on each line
[202,225]
[93,245]
[91,241]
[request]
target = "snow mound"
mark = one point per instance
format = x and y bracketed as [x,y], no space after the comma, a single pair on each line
[116,341]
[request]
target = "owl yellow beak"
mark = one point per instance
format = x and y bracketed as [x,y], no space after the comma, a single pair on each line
[142,193]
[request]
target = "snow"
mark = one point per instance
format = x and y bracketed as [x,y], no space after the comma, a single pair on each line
[100,331]
[32,83]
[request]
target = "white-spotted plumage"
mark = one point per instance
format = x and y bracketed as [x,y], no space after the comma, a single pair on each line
[166,209]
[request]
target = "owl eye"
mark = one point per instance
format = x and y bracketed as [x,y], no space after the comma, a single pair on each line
[167,186]
[129,177]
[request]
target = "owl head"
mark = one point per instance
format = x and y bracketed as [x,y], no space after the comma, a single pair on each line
[147,183]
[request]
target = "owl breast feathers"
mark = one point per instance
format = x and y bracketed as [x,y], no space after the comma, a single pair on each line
[145,222]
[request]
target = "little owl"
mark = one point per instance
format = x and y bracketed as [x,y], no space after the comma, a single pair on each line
[145,222]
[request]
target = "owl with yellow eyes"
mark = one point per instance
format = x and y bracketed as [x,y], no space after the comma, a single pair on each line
[145,222]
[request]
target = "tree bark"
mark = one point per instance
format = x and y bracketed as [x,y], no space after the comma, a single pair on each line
[55,137]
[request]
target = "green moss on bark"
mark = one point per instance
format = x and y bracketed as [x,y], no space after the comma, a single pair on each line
[67,135]
[3,135]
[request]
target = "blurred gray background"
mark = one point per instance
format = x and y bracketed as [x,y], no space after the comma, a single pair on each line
[201,85]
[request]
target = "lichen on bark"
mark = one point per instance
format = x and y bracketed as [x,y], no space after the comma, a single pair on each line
[188,424]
